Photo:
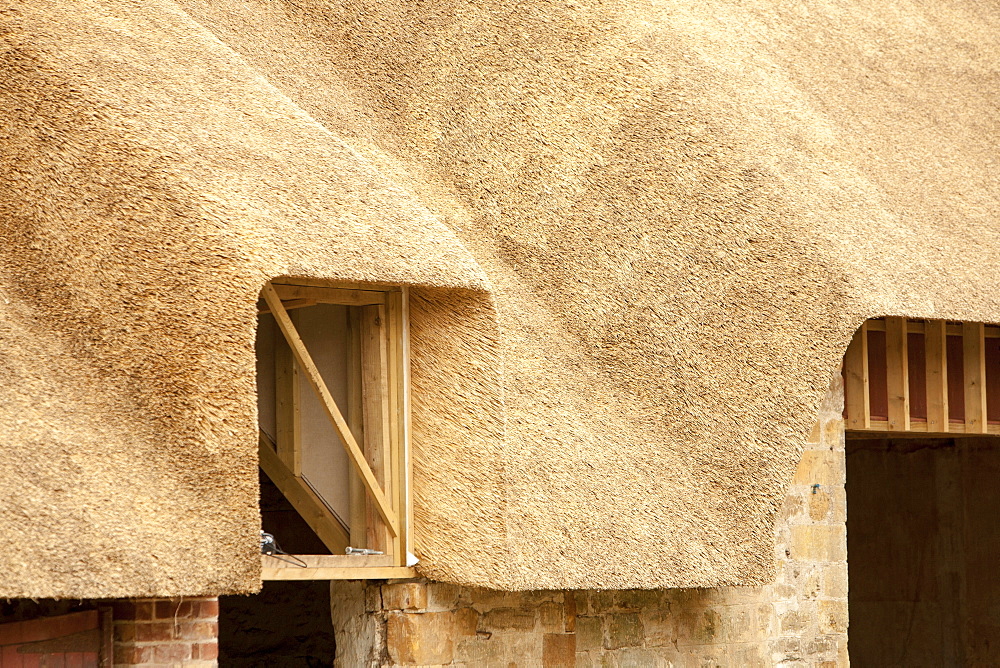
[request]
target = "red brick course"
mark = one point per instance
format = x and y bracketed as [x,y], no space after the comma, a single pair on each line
[40,643]
[174,632]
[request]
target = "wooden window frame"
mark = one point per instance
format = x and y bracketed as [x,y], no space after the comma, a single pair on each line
[378,452]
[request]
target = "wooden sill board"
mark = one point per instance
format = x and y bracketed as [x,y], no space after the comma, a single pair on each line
[335,567]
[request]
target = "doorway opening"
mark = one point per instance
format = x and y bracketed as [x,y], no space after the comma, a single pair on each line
[923,544]
[289,622]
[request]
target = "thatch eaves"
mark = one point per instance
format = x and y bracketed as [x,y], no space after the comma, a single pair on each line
[151,184]
[675,217]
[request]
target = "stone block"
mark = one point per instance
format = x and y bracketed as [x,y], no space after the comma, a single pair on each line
[660,627]
[819,505]
[404,596]
[843,659]
[466,621]
[792,623]
[821,647]
[559,650]
[603,601]
[793,507]
[792,663]
[833,617]
[640,599]
[819,542]
[699,627]
[810,583]
[624,630]
[550,616]
[838,505]
[834,581]
[424,638]
[786,650]
[785,592]
[582,601]
[704,656]
[832,434]
[766,621]
[479,651]
[687,599]
[520,619]
[536,598]
[814,435]
[485,599]
[521,649]
[751,655]
[350,590]
[441,596]
[824,467]
[637,657]
[569,612]
[743,595]
[589,633]
[739,624]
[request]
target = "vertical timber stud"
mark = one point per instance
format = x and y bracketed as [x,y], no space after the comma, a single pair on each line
[856,377]
[936,357]
[355,420]
[406,428]
[395,313]
[287,406]
[974,358]
[375,405]
[897,373]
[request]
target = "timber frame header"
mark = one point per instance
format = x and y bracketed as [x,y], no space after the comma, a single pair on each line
[923,376]
[373,430]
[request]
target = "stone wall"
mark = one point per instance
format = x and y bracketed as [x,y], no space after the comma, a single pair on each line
[799,621]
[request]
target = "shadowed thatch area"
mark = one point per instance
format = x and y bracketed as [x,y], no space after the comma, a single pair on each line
[640,238]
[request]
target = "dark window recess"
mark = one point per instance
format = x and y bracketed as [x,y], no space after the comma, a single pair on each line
[993,380]
[878,385]
[917,373]
[956,380]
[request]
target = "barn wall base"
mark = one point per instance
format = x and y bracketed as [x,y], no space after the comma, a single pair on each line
[799,620]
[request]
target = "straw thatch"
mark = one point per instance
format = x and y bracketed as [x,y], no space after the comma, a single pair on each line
[640,238]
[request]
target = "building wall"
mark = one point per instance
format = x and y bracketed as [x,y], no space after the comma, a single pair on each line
[799,621]
[153,633]
[166,632]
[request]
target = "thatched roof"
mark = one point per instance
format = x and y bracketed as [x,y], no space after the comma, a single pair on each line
[640,238]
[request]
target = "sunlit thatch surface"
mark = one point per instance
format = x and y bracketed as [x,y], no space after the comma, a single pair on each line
[641,237]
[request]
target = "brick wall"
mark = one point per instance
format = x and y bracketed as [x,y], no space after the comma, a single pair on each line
[798,621]
[166,632]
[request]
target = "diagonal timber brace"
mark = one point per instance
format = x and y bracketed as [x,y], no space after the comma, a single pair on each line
[305,501]
[354,453]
